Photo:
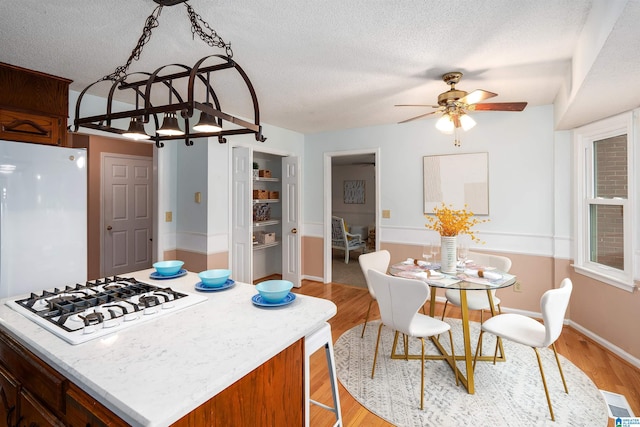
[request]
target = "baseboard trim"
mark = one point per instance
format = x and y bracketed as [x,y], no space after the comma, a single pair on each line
[606,344]
[314,278]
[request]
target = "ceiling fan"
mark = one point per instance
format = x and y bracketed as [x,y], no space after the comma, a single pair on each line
[454,105]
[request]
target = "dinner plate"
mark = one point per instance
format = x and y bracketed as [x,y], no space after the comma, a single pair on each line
[201,287]
[257,300]
[158,276]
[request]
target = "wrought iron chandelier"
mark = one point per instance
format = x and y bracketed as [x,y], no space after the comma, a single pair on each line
[211,120]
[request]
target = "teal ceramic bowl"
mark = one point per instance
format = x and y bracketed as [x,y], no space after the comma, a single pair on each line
[168,268]
[274,291]
[214,278]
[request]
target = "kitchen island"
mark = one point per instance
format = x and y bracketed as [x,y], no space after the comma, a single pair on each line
[164,371]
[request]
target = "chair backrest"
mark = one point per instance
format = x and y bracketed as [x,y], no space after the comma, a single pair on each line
[502,263]
[378,261]
[399,299]
[338,233]
[553,306]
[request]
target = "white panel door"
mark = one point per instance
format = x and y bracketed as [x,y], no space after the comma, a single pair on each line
[291,257]
[241,215]
[127,213]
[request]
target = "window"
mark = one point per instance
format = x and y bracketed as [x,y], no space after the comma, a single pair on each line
[604,196]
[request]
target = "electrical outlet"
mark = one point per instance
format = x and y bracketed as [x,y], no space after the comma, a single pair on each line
[168,216]
[386,213]
[517,287]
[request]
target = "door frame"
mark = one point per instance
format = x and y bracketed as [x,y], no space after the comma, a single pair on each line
[103,194]
[328,156]
[275,152]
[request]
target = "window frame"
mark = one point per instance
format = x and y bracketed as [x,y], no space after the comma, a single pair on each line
[584,137]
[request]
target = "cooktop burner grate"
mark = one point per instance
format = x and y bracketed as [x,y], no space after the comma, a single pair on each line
[85,311]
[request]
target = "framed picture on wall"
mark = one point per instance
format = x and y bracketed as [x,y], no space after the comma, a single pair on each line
[458,180]
[354,192]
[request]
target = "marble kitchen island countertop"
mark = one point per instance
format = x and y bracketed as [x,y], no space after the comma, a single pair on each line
[154,373]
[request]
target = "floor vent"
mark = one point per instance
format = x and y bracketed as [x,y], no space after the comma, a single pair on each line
[617,405]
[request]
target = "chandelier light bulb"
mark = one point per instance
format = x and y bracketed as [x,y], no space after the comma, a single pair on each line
[467,122]
[136,130]
[445,124]
[170,126]
[207,122]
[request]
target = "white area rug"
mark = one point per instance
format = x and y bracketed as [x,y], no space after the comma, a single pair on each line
[506,394]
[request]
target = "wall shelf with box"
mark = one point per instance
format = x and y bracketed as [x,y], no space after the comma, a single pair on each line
[267,214]
[265,240]
[272,221]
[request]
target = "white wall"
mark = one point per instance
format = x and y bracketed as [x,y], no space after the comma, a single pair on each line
[529,173]
[360,214]
[522,191]
[204,228]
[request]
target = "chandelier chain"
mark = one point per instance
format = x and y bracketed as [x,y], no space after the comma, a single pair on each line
[207,34]
[198,26]
[151,23]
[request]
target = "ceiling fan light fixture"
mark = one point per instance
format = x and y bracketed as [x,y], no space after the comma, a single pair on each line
[466,122]
[445,124]
[207,122]
[170,126]
[136,130]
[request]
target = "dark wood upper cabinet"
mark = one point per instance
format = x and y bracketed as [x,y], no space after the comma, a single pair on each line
[34,106]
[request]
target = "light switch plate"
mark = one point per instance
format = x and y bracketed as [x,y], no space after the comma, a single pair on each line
[386,213]
[168,216]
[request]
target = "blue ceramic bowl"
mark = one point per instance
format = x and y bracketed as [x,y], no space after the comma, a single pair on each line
[274,291]
[168,268]
[214,278]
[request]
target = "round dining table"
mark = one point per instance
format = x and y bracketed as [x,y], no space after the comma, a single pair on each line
[471,278]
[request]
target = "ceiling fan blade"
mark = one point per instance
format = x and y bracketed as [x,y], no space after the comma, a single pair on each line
[477,96]
[418,117]
[416,105]
[498,106]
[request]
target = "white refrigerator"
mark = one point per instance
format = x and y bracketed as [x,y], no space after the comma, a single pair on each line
[43,217]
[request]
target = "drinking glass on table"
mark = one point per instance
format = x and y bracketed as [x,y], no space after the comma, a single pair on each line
[427,252]
[435,250]
[463,252]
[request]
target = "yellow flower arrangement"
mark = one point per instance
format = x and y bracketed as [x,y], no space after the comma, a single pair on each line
[451,222]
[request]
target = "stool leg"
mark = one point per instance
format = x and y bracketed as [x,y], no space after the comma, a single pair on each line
[328,347]
[334,382]
[307,390]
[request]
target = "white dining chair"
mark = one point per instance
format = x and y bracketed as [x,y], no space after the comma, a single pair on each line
[399,300]
[378,261]
[530,332]
[478,300]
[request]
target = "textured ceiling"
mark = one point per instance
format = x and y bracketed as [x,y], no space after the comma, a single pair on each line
[336,64]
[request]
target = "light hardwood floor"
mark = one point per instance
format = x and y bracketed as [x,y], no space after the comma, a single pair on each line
[605,369]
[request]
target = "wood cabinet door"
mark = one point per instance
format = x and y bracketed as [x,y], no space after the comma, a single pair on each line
[8,399]
[83,411]
[33,414]
[26,127]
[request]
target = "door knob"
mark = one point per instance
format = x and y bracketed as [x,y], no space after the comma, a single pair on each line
[109,228]
[294,230]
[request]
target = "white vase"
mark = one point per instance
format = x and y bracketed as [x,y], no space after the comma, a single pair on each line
[448,254]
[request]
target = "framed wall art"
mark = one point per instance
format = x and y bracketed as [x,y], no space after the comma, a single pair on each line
[354,192]
[458,180]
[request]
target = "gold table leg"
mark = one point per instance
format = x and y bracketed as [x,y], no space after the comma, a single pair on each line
[468,380]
